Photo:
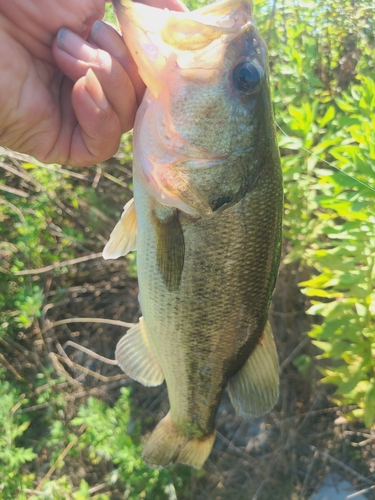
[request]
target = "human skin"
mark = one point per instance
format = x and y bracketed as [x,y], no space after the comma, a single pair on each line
[68,85]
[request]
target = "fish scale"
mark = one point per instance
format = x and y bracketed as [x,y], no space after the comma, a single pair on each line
[207,210]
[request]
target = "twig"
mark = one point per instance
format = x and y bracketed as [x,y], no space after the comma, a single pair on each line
[126,171]
[57,265]
[90,372]
[64,171]
[96,211]
[51,195]
[259,490]
[115,180]
[366,490]
[19,156]
[367,441]
[18,192]
[68,361]
[90,352]
[74,395]
[10,367]
[293,354]
[246,457]
[98,174]
[29,159]
[60,370]
[308,473]
[286,421]
[311,411]
[60,459]
[41,388]
[342,465]
[18,404]
[286,314]
[96,488]
[16,210]
[32,408]
[359,434]
[369,437]
[14,171]
[87,320]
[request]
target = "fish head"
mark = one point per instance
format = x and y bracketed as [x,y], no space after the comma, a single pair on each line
[208,102]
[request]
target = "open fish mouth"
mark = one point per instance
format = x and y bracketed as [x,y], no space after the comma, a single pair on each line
[159,39]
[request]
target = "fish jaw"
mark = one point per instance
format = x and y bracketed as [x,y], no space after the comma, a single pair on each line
[165,43]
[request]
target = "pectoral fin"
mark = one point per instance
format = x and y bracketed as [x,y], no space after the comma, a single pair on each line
[254,389]
[170,246]
[124,236]
[136,357]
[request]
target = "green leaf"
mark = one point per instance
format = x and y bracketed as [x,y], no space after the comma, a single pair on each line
[328,116]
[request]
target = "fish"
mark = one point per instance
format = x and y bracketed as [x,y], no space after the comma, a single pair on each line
[205,220]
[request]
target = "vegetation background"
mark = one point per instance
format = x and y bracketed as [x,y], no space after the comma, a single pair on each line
[72,427]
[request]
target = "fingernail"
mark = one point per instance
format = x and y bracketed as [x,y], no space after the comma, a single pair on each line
[96,28]
[75,46]
[107,38]
[95,90]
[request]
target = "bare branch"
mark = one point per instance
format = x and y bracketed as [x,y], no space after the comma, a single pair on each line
[90,352]
[57,265]
[18,192]
[87,320]
[92,373]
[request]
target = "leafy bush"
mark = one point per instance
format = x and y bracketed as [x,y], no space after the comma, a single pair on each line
[345,258]
[110,435]
[14,476]
[329,212]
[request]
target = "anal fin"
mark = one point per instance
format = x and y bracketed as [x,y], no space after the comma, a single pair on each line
[167,445]
[254,389]
[123,238]
[136,358]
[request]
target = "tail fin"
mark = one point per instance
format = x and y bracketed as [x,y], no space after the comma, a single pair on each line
[167,446]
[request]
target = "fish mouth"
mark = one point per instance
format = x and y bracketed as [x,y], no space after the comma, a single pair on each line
[161,40]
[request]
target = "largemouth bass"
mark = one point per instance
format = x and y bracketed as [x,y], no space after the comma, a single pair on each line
[205,220]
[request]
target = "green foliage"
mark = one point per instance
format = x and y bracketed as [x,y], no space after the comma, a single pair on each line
[26,241]
[345,256]
[315,54]
[13,457]
[109,15]
[111,435]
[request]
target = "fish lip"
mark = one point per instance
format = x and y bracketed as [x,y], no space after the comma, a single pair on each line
[162,41]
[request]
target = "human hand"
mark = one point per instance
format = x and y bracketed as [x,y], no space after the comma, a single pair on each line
[42,112]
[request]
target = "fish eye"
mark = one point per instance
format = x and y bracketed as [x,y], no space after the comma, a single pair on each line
[246,77]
